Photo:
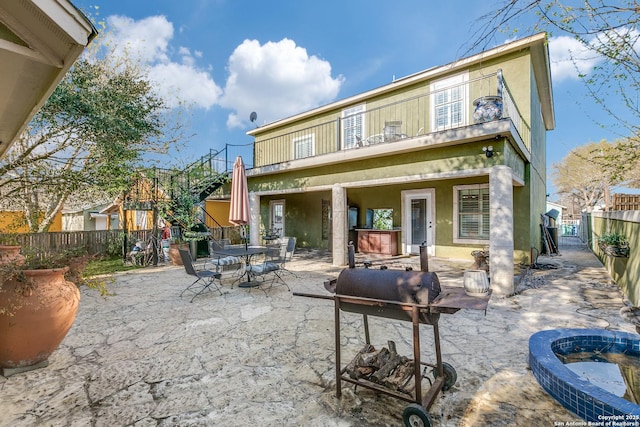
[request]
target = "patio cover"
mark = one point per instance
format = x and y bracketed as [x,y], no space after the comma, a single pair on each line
[39,41]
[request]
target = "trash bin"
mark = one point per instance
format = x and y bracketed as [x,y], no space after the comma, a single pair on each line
[165,249]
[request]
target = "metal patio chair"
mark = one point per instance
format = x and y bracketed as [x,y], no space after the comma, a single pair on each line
[272,268]
[205,279]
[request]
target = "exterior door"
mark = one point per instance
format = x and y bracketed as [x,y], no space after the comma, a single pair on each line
[417,220]
[276,214]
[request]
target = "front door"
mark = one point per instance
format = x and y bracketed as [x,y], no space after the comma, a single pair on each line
[417,220]
[276,213]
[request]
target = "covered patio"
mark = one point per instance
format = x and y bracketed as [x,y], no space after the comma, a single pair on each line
[145,356]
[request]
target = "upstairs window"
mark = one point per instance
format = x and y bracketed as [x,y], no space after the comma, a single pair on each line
[352,126]
[304,146]
[449,101]
[471,213]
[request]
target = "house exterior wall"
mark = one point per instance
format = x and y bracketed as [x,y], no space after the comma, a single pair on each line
[435,162]
[73,221]
[218,210]
[537,168]
[14,222]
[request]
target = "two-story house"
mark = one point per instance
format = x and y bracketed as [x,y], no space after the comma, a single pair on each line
[453,157]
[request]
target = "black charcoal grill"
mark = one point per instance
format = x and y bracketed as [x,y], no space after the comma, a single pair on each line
[414,296]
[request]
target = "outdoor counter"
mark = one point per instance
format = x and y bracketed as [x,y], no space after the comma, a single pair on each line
[378,241]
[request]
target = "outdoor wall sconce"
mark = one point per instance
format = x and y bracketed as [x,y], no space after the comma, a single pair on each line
[488,151]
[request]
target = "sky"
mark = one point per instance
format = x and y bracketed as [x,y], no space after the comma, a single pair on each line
[225,59]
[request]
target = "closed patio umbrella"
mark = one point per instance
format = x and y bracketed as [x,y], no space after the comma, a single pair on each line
[239,208]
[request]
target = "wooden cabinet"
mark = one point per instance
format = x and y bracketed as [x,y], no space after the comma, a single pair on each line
[378,241]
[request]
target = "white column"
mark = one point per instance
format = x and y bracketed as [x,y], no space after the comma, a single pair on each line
[339,225]
[501,230]
[254,222]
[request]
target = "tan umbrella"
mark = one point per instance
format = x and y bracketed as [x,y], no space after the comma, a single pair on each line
[239,208]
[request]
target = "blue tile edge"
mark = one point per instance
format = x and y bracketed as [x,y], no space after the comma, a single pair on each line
[584,399]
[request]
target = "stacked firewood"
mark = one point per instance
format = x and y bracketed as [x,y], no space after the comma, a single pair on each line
[384,367]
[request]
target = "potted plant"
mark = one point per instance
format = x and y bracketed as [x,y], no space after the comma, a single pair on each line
[487,108]
[614,244]
[182,211]
[38,305]
[9,248]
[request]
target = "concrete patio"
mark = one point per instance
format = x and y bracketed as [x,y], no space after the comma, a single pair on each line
[147,357]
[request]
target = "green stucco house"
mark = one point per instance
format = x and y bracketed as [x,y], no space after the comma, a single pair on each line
[453,157]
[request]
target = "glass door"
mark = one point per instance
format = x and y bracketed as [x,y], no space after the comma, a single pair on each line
[276,213]
[417,220]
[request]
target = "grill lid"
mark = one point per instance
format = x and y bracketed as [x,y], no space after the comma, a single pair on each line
[417,287]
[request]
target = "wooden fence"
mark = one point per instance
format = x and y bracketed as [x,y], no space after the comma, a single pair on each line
[624,270]
[94,242]
[626,202]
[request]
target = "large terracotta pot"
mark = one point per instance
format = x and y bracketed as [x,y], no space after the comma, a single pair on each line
[35,318]
[10,253]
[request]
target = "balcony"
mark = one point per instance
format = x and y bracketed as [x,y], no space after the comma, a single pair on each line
[413,114]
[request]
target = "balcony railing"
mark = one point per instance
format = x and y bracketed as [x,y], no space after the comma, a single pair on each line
[392,119]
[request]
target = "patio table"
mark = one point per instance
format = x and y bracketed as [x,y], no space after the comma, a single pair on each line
[247,254]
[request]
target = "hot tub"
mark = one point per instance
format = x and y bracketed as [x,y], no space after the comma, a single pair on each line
[588,401]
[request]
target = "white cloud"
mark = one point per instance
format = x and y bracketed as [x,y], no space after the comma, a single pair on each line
[146,40]
[149,41]
[184,82]
[569,58]
[276,80]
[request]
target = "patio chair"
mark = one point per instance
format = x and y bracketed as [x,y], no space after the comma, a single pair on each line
[222,263]
[393,130]
[271,269]
[287,248]
[205,279]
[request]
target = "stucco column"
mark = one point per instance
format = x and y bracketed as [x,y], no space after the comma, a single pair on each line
[339,225]
[254,221]
[501,230]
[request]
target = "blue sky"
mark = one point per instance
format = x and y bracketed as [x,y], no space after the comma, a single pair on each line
[228,58]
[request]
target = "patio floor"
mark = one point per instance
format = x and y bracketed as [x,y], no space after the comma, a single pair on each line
[146,357]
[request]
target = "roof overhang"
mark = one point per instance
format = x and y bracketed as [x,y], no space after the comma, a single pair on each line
[537,43]
[39,41]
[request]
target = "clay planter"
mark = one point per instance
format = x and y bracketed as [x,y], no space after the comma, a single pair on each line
[35,316]
[11,253]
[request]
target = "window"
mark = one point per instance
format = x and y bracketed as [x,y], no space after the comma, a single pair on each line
[303,146]
[352,126]
[471,210]
[448,100]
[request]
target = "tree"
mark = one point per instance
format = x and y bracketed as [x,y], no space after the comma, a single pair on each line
[87,139]
[607,32]
[578,175]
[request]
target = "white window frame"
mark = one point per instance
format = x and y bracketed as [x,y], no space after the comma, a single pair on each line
[309,139]
[348,134]
[447,87]
[456,214]
[272,207]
